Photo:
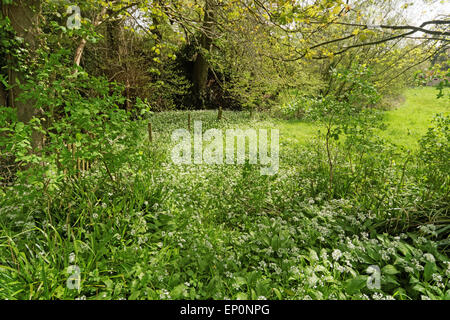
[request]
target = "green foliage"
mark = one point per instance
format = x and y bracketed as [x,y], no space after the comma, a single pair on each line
[355,86]
[435,154]
[73,109]
[137,226]
[200,232]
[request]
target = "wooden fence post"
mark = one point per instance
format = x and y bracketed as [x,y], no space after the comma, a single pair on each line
[81,165]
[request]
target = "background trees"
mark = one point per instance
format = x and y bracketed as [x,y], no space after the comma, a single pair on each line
[178,54]
[198,54]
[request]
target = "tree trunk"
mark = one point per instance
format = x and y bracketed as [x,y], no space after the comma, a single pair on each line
[118,57]
[82,45]
[3,66]
[24,17]
[3,97]
[201,66]
[79,52]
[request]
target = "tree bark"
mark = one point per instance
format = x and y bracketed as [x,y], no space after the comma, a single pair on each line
[3,65]
[118,57]
[24,17]
[201,66]
[82,45]
[3,97]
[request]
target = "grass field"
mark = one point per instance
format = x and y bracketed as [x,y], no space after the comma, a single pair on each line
[409,122]
[405,124]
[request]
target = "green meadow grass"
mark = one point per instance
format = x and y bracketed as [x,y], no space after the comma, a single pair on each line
[297,132]
[409,122]
[405,125]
